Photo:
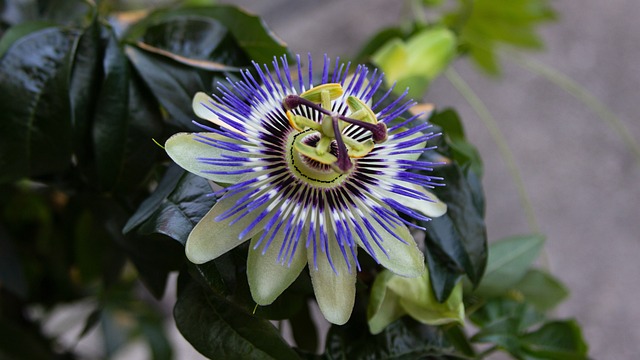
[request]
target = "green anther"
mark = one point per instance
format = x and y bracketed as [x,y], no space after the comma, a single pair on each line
[300,123]
[310,152]
[327,126]
[315,94]
[358,149]
[361,110]
[325,97]
[323,145]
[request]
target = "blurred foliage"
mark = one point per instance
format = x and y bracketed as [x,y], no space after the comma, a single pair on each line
[90,207]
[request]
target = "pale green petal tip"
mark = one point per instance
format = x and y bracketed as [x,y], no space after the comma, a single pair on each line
[182,148]
[335,294]
[196,252]
[199,108]
[267,277]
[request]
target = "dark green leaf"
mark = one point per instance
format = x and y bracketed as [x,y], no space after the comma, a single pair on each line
[197,38]
[85,84]
[460,234]
[542,289]
[12,276]
[402,339]
[457,336]
[248,30]
[444,273]
[220,329]
[304,330]
[172,84]
[126,120]
[462,152]
[561,340]
[508,262]
[16,32]
[180,211]
[150,205]
[19,341]
[35,134]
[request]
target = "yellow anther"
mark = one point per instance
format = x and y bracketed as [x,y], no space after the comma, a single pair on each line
[360,110]
[315,94]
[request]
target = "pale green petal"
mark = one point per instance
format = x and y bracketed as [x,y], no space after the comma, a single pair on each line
[335,293]
[404,259]
[200,103]
[210,238]
[184,149]
[431,209]
[268,278]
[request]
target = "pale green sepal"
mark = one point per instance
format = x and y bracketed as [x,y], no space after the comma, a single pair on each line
[393,296]
[403,259]
[315,94]
[184,149]
[335,292]
[418,300]
[391,58]
[200,103]
[418,61]
[210,238]
[432,209]
[384,306]
[268,278]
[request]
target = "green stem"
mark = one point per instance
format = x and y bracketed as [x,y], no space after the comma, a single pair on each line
[498,137]
[573,88]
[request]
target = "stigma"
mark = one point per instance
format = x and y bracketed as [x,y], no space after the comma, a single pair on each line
[333,148]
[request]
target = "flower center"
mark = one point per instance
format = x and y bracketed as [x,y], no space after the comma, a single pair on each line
[325,147]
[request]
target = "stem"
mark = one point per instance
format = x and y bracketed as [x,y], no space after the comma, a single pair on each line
[498,137]
[578,92]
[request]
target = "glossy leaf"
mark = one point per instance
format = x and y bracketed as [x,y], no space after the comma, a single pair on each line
[462,152]
[35,134]
[508,262]
[459,236]
[14,33]
[218,328]
[85,84]
[172,84]
[248,30]
[126,121]
[181,201]
[402,339]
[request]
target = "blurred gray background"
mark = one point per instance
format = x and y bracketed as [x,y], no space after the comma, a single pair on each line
[583,181]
